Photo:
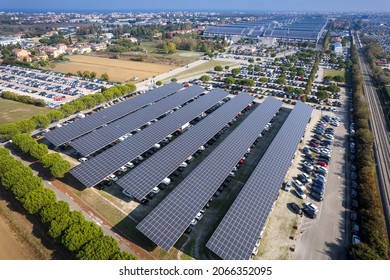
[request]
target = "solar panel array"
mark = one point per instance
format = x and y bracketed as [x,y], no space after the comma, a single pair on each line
[240,229]
[100,138]
[80,127]
[96,169]
[140,181]
[167,222]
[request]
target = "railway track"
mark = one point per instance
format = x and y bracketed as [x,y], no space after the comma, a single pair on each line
[381,133]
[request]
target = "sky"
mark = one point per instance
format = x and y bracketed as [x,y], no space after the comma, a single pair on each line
[198,5]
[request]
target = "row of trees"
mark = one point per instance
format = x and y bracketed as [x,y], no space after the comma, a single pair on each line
[373,229]
[22,98]
[84,239]
[7,131]
[54,162]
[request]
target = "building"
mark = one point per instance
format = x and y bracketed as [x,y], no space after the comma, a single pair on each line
[83,49]
[22,55]
[99,47]
[338,48]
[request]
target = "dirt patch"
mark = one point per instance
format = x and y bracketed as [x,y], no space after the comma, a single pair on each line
[189,54]
[18,236]
[117,69]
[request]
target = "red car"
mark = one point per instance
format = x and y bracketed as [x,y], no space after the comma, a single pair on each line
[312,144]
[241,161]
[322,164]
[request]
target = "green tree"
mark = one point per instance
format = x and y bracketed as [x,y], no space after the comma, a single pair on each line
[38,151]
[8,130]
[35,200]
[333,88]
[123,256]
[235,71]
[323,94]
[7,164]
[41,120]
[105,77]
[227,67]
[251,60]
[205,78]
[26,185]
[229,80]
[60,168]
[24,142]
[51,211]
[4,153]
[62,222]
[78,234]
[159,83]
[93,75]
[363,252]
[257,68]
[26,125]
[250,67]
[55,115]
[218,68]
[86,74]
[103,248]
[11,177]
[281,81]
[174,80]
[339,79]
[50,159]
[89,101]
[99,98]
[79,105]
[263,80]
[68,110]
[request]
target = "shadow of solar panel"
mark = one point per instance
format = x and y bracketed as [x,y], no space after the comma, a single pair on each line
[102,137]
[96,169]
[238,232]
[167,222]
[80,127]
[140,181]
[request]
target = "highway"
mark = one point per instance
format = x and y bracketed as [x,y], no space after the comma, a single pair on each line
[381,133]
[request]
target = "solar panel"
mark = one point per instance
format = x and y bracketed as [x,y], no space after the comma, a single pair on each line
[240,229]
[96,169]
[167,222]
[149,174]
[80,127]
[100,138]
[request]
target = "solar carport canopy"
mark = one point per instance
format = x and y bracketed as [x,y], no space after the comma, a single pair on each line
[149,174]
[60,136]
[167,222]
[100,138]
[96,169]
[237,234]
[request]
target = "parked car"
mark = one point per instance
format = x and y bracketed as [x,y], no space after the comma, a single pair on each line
[295,207]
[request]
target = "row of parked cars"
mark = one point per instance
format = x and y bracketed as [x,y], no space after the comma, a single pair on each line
[317,156]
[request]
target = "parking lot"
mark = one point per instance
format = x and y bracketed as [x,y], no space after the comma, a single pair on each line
[54,88]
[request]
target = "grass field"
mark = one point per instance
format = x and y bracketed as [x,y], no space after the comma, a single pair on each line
[329,72]
[118,70]
[11,111]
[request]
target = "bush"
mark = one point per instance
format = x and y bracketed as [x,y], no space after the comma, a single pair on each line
[78,234]
[38,151]
[103,248]
[159,83]
[22,98]
[51,211]
[218,68]
[26,185]
[12,176]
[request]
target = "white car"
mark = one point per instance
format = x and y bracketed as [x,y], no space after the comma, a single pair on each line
[199,216]
[312,207]
[194,222]
[83,159]
[156,190]
[123,168]
[299,185]
[307,177]
[324,169]
[329,136]
[112,177]
[129,164]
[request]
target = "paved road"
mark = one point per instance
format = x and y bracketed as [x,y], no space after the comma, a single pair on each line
[327,236]
[381,136]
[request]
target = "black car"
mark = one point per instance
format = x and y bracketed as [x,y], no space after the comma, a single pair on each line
[317,190]
[316,196]
[326,142]
[309,213]
[309,157]
[144,201]
[295,207]
[305,150]
[316,136]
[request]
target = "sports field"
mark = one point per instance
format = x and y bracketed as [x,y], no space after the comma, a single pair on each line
[118,70]
[12,111]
